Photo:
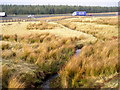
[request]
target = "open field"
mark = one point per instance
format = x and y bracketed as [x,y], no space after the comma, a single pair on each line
[33,52]
[104,28]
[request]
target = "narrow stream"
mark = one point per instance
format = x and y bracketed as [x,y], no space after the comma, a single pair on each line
[46,84]
[77,52]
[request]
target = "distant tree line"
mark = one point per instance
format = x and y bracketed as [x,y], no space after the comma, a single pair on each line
[53,9]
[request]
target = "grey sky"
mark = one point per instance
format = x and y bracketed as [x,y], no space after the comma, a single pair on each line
[63,2]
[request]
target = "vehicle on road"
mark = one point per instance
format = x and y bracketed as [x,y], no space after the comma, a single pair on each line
[90,14]
[79,13]
[3,14]
[31,16]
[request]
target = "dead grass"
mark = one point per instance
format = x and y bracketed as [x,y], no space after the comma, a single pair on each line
[41,26]
[15,82]
[34,49]
[103,28]
[68,24]
[21,30]
[96,60]
[45,49]
[113,20]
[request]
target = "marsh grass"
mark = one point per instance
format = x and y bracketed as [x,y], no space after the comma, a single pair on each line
[15,82]
[34,49]
[40,26]
[6,74]
[68,24]
[6,46]
[96,60]
[43,55]
[99,20]
[102,28]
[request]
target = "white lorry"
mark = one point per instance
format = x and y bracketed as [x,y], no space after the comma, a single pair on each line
[31,16]
[3,14]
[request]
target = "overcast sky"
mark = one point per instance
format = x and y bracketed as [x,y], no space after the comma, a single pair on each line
[63,2]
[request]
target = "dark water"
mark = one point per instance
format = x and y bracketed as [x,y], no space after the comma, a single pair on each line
[77,51]
[46,84]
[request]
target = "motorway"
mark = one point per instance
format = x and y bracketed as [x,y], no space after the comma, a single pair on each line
[9,17]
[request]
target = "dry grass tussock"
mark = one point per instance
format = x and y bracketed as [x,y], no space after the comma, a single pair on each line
[41,26]
[45,51]
[15,82]
[30,48]
[96,60]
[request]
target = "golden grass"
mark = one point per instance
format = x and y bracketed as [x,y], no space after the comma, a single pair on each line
[104,28]
[100,20]
[34,49]
[6,73]
[40,26]
[15,82]
[46,50]
[21,30]
[96,60]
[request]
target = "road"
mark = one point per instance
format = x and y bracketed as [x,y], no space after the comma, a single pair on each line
[9,17]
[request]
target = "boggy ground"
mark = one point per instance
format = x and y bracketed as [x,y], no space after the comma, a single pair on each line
[33,58]
[34,51]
